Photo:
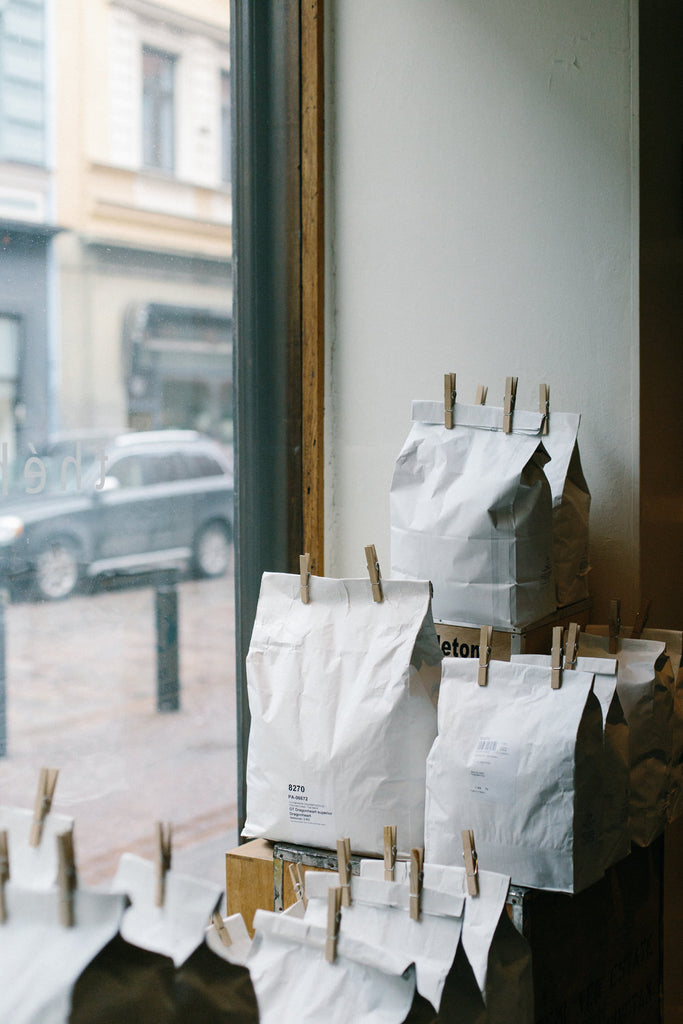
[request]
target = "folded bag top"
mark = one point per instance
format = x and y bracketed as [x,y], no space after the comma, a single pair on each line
[342,695]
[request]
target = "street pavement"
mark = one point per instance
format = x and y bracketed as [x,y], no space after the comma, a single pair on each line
[81,678]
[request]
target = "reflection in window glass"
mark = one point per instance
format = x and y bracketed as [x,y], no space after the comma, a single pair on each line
[116,422]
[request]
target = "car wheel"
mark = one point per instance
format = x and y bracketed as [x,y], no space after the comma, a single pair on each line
[213,553]
[57,570]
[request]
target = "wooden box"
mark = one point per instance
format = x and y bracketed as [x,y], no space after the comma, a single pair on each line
[462,640]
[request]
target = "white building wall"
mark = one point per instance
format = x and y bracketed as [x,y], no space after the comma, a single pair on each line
[481,219]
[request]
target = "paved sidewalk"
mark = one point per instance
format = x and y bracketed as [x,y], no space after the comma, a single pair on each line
[81,697]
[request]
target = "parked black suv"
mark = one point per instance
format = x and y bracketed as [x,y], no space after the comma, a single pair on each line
[82,508]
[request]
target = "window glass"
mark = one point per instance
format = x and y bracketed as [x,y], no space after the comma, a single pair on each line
[116,320]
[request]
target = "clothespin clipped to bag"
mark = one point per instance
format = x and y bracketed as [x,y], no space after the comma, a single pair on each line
[417,859]
[481,393]
[389,852]
[344,869]
[298,883]
[66,878]
[222,932]
[485,641]
[614,621]
[47,781]
[509,403]
[4,872]
[375,574]
[471,862]
[571,651]
[449,395]
[641,620]
[556,658]
[162,860]
[305,574]
[544,406]
[334,905]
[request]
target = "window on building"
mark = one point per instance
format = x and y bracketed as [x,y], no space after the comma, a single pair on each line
[22,81]
[158,116]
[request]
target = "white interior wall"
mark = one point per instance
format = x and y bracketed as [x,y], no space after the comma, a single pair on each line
[481,175]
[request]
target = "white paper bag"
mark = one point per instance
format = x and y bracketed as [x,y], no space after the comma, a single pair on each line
[614,825]
[521,765]
[240,940]
[33,867]
[40,959]
[673,648]
[379,915]
[645,686]
[471,510]
[178,927]
[342,694]
[499,956]
[571,507]
[295,984]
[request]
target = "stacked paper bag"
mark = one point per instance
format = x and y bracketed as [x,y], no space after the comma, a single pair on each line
[471,510]
[668,696]
[614,819]
[342,695]
[522,765]
[493,508]
[645,684]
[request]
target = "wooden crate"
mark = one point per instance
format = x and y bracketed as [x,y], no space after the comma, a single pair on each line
[462,640]
[256,877]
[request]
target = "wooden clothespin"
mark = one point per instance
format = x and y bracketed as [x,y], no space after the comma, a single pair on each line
[509,403]
[556,658]
[571,650]
[222,932]
[305,574]
[485,641]
[480,396]
[334,905]
[544,406]
[389,852]
[614,620]
[344,869]
[374,571]
[417,859]
[471,862]
[641,620]
[47,781]
[162,860]
[297,878]
[66,877]
[449,395]
[4,872]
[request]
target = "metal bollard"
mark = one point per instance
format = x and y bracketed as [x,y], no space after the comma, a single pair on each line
[166,606]
[4,597]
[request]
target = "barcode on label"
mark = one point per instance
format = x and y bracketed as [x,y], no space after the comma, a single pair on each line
[486,745]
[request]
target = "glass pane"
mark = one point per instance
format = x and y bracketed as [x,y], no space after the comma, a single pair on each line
[116,505]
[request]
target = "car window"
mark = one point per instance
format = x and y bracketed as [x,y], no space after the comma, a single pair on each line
[201,464]
[129,471]
[161,468]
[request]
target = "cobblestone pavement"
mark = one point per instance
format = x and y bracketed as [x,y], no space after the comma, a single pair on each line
[81,697]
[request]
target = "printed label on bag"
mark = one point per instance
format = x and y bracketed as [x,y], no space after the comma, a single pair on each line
[493,769]
[308,805]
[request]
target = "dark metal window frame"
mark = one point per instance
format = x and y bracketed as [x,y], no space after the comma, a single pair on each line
[265,63]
